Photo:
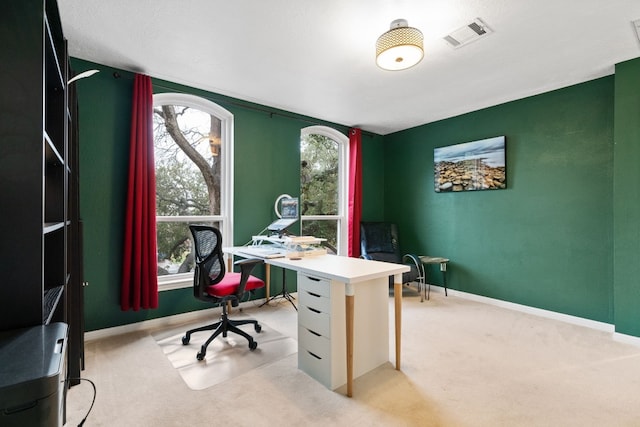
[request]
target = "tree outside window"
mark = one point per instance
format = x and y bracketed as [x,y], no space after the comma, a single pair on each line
[189,161]
[322,184]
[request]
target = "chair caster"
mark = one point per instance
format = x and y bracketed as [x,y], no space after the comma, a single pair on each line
[258,328]
[201,354]
[253,345]
[185,340]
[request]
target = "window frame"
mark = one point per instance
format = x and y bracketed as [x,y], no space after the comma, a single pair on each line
[185,280]
[343,185]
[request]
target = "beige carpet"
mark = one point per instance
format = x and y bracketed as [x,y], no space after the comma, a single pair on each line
[464,364]
[227,357]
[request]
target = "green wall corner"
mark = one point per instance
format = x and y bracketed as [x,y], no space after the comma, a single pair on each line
[626,198]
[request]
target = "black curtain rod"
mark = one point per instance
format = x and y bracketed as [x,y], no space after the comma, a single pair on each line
[117,75]
[261,109]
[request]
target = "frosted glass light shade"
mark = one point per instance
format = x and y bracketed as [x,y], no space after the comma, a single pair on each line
[399,48]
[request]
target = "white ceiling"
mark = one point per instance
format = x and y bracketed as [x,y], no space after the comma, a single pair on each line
[316,57]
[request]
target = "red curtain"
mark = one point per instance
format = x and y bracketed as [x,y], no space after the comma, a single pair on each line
[140,265]
[355,190]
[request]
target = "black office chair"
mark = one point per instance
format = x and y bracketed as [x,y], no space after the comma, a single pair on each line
[379,242]
[211,284]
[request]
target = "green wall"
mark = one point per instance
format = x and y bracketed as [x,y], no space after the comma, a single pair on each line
[267,163]
[626,198]
[563,236]
[546,241]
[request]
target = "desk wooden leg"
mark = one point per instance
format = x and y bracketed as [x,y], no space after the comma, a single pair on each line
[443,269]
[349,314]
[229,268]
[397,296]
[267,280]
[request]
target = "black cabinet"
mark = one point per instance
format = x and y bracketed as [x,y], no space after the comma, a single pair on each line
[40,266]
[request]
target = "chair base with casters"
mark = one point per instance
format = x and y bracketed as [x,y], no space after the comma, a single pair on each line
[226,325]
[214,285]
[223,326]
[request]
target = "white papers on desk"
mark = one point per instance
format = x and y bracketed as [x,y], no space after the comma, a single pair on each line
[302,240]
[286,240]
[263,251]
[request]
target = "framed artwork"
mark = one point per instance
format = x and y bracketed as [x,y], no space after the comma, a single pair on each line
[471,166]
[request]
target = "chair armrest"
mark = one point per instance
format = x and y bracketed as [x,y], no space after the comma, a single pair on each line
[414,260]
[411,259]
[252,262]
[246,267]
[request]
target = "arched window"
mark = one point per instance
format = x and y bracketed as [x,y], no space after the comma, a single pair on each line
[193,140]
[324,185]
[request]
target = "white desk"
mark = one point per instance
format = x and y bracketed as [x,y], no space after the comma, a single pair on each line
[331,277]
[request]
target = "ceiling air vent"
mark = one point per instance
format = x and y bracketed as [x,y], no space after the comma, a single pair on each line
[636,26]
[467,34]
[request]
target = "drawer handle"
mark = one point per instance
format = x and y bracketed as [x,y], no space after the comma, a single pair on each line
[313,278]
[317,357]
[314,295]
[314,333]
[314,310]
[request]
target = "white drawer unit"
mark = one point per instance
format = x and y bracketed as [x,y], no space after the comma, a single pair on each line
[322,331]
[315,321]
[320,302]
[315,285]
[314,356]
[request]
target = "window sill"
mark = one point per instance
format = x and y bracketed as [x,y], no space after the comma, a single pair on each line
[178,283]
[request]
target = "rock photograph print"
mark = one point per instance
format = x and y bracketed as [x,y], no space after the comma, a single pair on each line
[477,165]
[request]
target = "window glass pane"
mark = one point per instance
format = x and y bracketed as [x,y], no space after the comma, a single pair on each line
[325,229]
[188,157]
[175,247]
[318,175]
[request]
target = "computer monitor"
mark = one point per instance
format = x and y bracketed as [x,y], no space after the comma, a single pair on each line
[289,210]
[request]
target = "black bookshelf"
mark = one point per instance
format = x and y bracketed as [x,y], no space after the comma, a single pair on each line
[40,253]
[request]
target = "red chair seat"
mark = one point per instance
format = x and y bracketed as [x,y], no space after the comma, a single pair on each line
[229,285]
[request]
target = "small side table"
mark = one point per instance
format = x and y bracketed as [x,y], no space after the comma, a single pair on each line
[425,259]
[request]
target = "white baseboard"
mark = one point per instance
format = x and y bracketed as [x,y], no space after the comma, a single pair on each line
[575,320]
[627,339]
[580,321]
[209,313]
[161,322]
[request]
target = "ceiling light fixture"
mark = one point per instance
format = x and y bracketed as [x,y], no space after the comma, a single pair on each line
[400,47]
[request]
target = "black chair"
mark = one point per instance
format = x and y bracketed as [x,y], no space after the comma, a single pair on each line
[379,242]
[211,284]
